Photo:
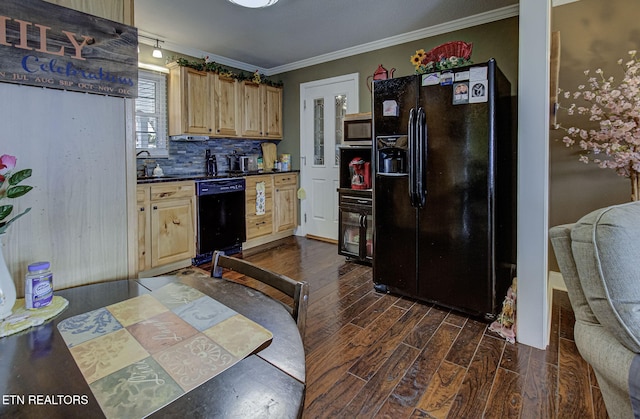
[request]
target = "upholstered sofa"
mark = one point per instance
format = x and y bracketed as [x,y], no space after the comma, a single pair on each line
[599,257]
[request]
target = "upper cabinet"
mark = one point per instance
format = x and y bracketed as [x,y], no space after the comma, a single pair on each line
[203,103]
[272,118]
[227,111]
[261,111]
[190,101]
[252,109]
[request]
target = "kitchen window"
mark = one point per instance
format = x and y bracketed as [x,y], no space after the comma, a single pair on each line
[151,113]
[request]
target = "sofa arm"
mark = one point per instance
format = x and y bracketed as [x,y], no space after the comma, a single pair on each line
[561,241]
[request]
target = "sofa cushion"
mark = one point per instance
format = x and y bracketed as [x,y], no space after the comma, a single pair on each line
[634,386]
[606,247]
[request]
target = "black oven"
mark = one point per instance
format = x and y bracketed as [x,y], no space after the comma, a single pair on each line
[221,217]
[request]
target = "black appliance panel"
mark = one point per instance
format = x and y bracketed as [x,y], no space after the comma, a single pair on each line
[454,226]
[221,216]
[395,235]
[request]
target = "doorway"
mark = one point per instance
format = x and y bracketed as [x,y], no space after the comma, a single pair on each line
[323,105]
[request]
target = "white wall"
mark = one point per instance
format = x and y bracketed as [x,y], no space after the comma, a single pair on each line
[75,144]
[533,172]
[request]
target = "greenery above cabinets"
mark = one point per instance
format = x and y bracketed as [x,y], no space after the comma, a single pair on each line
[211,66]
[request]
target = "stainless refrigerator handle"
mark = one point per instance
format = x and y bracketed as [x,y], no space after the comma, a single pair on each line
[421,125]
[412,152]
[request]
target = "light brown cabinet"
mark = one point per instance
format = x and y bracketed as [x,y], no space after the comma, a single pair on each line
[272,112]
[285,201]
[261,111]
[226,94]
[144,227]
[191,108]
[252,109]
[203,103]
[258,223]
[166,225]
[280,216]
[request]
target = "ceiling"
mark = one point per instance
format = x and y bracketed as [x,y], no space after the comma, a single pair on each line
[296,33]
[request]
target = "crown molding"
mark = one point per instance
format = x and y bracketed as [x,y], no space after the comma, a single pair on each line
[467,22]
[464,23]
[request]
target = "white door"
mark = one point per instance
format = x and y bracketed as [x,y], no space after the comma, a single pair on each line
[323,106]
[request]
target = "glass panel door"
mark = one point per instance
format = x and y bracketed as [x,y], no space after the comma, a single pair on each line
[341,111]
[318,132]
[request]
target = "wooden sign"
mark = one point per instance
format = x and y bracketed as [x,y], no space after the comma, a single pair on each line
[43,44]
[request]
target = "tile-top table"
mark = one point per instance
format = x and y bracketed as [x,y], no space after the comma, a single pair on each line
[43,380]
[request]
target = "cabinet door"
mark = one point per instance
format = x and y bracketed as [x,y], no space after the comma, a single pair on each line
[285,202]
[285,199]
[197,102]
[252,108]
[172,231]
[259,206]
[144,228]
[226,106]
[273,112]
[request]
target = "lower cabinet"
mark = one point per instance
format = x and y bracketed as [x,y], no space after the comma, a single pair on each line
[285,201]
[259,206]
[271,208]
[166,226]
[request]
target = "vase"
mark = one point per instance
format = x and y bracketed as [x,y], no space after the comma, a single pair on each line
[7,286]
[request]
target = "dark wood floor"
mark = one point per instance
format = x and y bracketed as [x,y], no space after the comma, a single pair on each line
[375,355]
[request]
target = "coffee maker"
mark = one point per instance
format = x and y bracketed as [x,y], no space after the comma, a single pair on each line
[360,173]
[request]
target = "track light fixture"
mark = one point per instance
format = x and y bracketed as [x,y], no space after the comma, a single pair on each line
[157,51]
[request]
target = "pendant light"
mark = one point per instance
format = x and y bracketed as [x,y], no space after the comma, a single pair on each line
[157,52]
[254,4]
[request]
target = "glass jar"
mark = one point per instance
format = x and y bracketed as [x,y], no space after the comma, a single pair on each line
[38,287]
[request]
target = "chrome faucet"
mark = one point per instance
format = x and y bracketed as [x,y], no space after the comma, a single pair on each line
[144,164]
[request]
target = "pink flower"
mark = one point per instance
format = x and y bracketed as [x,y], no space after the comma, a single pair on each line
[7,163]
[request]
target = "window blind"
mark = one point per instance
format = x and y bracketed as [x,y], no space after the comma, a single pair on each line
[151,111]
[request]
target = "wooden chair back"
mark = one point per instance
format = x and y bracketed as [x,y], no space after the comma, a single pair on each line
[298,290]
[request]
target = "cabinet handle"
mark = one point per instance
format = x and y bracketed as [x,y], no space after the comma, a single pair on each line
[155,207]
[142,209]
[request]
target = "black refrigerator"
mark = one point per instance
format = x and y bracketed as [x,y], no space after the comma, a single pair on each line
[444,201]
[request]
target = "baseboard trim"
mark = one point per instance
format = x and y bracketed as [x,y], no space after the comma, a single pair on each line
[322,239]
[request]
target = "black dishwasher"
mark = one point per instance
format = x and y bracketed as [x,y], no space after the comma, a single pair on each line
[221,217]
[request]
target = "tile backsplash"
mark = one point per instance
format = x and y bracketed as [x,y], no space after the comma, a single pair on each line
[188,157]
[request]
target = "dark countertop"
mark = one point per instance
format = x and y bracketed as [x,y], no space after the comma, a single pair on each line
[221,175]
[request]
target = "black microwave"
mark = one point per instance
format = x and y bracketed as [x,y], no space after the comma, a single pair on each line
[358,129]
